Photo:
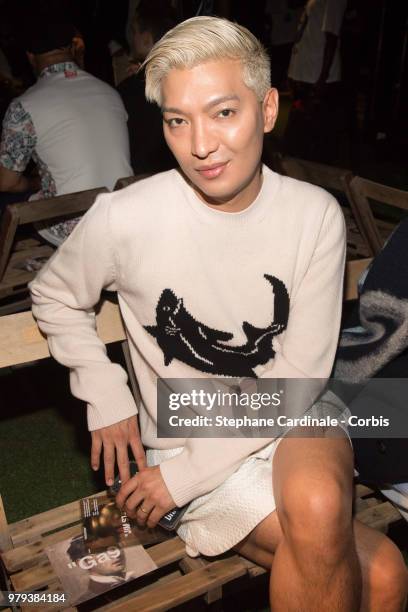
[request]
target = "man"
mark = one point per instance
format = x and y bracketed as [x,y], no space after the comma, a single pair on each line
[148,150]
[71,124]
[193,255]
[315,76]
[106,568]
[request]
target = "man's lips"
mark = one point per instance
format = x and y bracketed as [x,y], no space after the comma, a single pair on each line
[213,170]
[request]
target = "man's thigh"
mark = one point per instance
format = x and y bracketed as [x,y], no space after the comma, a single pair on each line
[302,468]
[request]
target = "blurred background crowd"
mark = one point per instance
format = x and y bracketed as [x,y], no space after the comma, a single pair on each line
[367,118]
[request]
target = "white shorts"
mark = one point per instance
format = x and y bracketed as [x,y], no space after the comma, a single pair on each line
[219,520]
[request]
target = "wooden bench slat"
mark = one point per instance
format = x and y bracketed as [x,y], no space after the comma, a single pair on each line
[180,590]
[379,516]
[15,276]
[354,270]
[5,539]
[21,341]
[27,555]
[362,490]
[34,578]
[27,530]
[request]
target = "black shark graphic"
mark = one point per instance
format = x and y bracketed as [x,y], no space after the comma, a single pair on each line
[181,337]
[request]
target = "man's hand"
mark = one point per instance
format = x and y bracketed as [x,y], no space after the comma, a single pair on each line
[16,182]
[115,440]
[146,497]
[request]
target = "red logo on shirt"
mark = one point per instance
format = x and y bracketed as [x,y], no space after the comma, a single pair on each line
[70,74]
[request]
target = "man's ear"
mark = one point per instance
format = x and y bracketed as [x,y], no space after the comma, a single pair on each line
[270,107]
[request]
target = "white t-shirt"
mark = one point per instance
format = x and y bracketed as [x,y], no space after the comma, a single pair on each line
[319,17]
[79,126]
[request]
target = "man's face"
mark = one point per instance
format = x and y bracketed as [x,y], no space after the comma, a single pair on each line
[111,564]
[214,125]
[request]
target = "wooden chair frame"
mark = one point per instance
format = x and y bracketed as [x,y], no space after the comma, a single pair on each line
[337,179]
[362,190]
[13,280]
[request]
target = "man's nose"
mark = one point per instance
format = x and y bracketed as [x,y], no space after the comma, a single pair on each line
[203,140]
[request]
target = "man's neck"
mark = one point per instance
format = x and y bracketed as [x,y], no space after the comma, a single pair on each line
[239,202]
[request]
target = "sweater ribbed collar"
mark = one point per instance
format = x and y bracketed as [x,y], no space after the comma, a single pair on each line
[253,213]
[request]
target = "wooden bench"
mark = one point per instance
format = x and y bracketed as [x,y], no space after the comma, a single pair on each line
[179,578]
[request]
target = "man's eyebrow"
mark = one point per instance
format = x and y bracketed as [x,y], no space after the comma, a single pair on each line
[171,109]
[220,100]
[215,102]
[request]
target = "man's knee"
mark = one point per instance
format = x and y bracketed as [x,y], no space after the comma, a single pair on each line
[389,579]
[317,511]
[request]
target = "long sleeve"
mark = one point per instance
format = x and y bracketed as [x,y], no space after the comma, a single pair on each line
[309,343]
[307,351]
[64,295]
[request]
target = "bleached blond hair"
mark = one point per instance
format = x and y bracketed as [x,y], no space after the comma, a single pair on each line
[203,39]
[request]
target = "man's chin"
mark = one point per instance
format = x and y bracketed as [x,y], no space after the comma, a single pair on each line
[215,194]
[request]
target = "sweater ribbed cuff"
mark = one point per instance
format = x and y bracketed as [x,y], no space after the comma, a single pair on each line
[180,480]
[115,407]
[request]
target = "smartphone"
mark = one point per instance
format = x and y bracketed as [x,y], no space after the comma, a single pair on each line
[169,521]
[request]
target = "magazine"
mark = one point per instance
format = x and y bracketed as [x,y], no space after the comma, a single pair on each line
[106,555]
[85,574]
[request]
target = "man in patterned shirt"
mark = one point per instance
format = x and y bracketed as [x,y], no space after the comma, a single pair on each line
[72,125]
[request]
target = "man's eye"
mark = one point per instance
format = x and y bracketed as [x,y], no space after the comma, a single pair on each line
[175,122]
[226,112]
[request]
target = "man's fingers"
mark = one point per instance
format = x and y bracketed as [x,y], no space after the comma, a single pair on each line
[143,512]
[96,449]
[122,459]
[109,463]
[138,453]
[133,501]
[154,517]
[125,490]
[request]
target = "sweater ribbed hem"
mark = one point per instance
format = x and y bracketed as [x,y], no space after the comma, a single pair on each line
[180,481]
[118,406]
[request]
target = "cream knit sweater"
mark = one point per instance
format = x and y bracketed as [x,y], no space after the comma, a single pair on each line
[166,253]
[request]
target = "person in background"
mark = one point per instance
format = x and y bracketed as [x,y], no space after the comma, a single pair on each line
[72,125]
[283,16]
[316,119]
[148,150]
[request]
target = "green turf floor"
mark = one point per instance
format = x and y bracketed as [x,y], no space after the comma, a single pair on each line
[44,442]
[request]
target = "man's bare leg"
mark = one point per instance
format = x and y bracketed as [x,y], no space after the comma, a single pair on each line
[316,560]
[384,576]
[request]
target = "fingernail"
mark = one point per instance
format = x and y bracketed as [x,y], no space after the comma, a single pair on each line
[109,482]
[95,467]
